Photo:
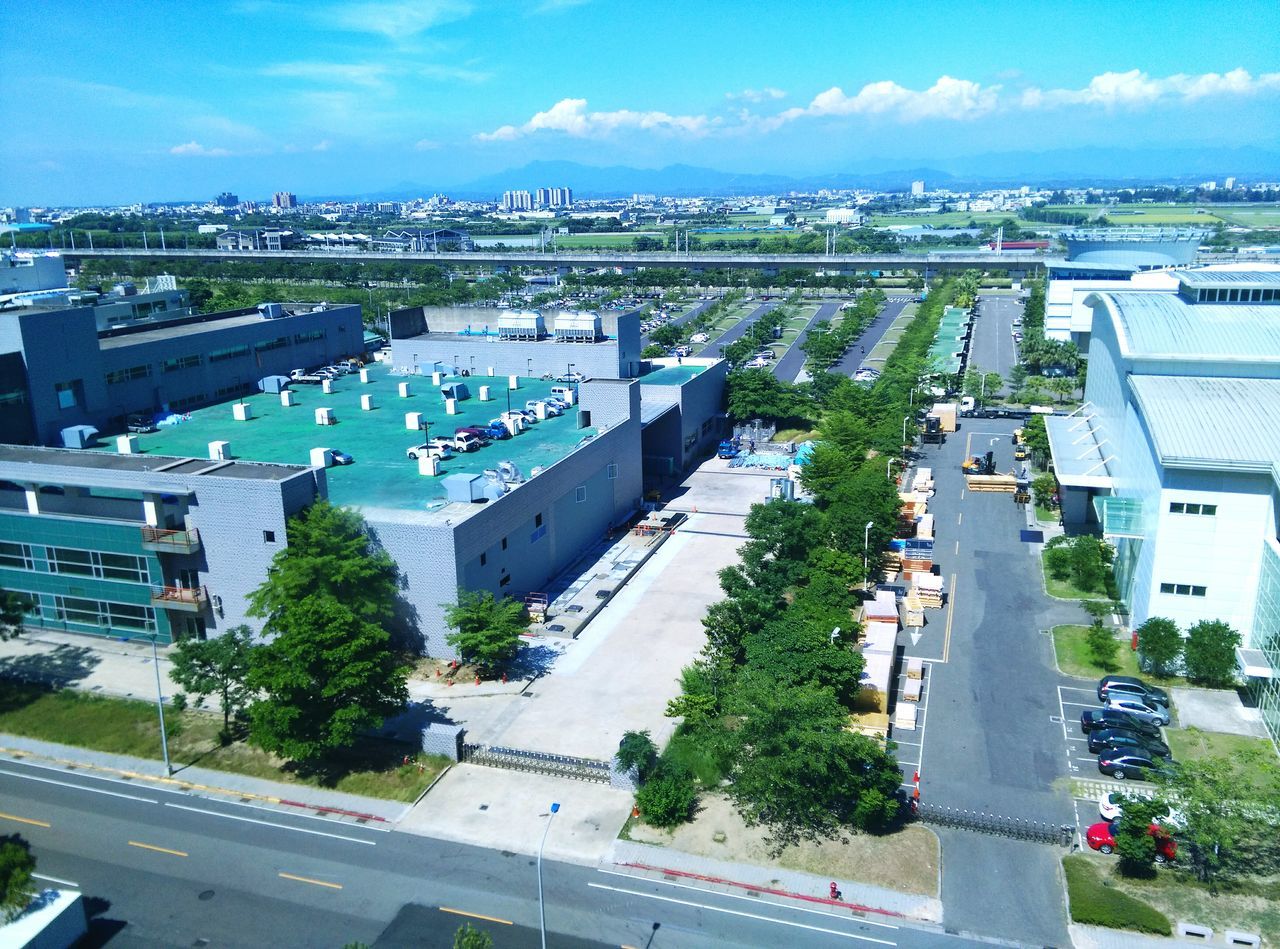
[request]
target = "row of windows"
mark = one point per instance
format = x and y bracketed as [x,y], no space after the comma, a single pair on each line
[226,392]
[309,337]
[1237,295]
[180,363]
[1182,589]
[1206,510]
[75,562]
[70,609]
[230,352]
[118,376]
[280,342]
[190,402]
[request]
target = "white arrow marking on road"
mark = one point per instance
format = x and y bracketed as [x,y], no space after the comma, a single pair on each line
[915,638]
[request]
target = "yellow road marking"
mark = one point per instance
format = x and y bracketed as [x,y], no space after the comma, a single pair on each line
[332,886]
[489,919]
[26,820]
[951,614]
[176,853]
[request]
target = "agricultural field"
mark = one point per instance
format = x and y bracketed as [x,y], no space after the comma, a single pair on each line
[1179,214]
[1251,217]
[942,219]
[578,241]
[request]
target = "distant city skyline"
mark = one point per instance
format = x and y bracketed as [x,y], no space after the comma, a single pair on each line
[131,102]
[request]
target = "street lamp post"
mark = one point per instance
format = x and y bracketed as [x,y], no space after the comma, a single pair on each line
[866,544]
[542,909]
[164,739]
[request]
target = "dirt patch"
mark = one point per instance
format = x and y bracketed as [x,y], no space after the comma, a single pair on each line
[906,861]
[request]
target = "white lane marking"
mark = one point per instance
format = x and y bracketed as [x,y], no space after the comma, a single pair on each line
[76,787]
[327,820]
[41,876]
[267,823]
[734,912]
[735,896]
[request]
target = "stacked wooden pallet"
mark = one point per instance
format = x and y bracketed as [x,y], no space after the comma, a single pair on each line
[927,588]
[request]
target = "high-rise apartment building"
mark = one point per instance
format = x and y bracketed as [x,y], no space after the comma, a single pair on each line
[226,200]
[285,200]
[917,189]
[516,201]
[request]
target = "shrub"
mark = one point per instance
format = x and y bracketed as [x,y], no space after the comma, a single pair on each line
[1057,560]
[1095,903]
[1102,645]
[667,798]
[1210,653]
[1160,644]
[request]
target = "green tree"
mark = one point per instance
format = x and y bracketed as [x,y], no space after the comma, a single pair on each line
[653,351]
[637,750]
[1017,377]
[1102,645]
[13,610]
[791,653]
[218,666]
[1135,845]
[16,867]
[486,630]
[1036,436]
[1210,653]
[468,937]
[1045,487]
[668,797]
[1062,387]
[846,432]
[327,677]
[1160,644]
[828,467]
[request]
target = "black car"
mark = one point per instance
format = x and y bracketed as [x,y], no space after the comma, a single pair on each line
[1092,718]
[1122,763]
[1100,739]
[1128,685]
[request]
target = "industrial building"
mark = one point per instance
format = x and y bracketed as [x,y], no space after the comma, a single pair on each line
[163,533]
[1175,457]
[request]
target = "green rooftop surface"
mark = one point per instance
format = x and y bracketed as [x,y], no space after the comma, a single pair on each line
[382,476]
[671,375]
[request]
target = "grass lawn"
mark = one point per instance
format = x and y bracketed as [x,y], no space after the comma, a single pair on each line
[1190,744]
[1075,659]
[1066,590]
[1095,901]
[794,435]
[126,727]
[1161,214]
[1046,514]
[1268,216]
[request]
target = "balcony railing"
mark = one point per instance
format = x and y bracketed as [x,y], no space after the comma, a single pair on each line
[187,599]
[170,541]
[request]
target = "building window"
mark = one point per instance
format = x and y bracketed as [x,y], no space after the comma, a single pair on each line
[91,563]
[96,613]
[278,343]
[180,363]
[240,388]
[117,376]
[580,493]
[506,578]
[612,471]
[70,393]
[17,556]
[268,537]
[1182,589]
[484,559]
[1204,510]
[178,405]
[309,336]
[504,543]
[231,352]
[537,520]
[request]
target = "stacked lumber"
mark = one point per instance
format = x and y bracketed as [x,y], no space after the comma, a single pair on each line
[996,482]
[927,588]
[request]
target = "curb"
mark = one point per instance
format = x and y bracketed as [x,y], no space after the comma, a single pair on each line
[822,900]
[81,767]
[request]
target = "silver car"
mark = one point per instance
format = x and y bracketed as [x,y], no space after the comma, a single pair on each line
[1142,708]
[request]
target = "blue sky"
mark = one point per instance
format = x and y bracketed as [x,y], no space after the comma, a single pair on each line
[124,101]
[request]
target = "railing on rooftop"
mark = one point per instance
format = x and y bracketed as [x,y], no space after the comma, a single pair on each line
[186,599]
[170,541]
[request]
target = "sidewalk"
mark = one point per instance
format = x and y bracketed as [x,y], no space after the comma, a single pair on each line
[1098,937]
[202,782]
[727,877]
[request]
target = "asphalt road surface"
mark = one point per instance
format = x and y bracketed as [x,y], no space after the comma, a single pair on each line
[791,362]
[992,348]
[862,346]
[165,868]
[990,742]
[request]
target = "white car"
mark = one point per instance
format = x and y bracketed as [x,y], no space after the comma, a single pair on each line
[1110,807]
[437,446]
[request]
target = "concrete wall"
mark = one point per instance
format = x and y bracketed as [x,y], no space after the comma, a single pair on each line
[57,346]
[700,401]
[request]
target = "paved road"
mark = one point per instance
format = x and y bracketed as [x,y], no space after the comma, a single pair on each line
[990,742]
[792,361]
[682,318]
[163,868]
[739,329]
[862,346]
[991,347]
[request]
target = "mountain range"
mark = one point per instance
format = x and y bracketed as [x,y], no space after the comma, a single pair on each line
[1078,167]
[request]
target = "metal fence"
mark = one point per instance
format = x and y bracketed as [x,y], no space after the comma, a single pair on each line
[997,825]
[516,759]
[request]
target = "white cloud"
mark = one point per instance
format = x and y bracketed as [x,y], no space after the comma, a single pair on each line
[322,146]
[1135,89]
[352,74]
[756,95]
[398,20]
[571,117]
[194,148]
[948,98]
[425,145]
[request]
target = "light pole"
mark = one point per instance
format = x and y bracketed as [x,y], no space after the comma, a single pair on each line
[164,740]
[866,544]
[542,909]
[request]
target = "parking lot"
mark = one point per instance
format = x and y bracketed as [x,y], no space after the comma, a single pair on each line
[910,752]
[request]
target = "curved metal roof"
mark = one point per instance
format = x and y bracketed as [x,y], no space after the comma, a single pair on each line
[1155,325]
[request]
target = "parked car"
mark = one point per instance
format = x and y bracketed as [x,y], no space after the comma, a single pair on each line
[1101,837]
[1100,739]
[340,457]
[1123,763]
[437,447]
[1092,718]
[481,435]
[1138,706]
[1111,806]
[1128,685]
[571,377]
[140,424]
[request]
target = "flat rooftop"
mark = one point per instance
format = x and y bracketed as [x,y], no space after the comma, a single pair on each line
[160,329]
[672,375]
[74,458]
[382,476]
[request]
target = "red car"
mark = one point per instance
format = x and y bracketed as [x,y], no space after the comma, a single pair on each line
[1101,837]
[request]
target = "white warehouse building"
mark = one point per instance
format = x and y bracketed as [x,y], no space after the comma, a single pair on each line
[1176,456]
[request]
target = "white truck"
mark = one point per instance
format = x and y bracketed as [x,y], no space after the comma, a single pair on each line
[311,378]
